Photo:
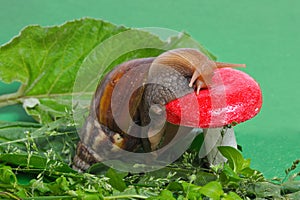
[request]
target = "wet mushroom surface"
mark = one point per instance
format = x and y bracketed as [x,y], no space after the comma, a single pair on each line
[238,92]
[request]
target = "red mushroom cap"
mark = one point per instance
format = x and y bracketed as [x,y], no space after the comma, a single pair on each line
[233,97]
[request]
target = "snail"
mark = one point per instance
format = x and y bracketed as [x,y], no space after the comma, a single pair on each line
[127,110]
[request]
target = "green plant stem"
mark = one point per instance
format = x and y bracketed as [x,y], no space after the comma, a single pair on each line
[26,139]
[49,197]
[126,197]
[7,186]
[11,196]
[13,98]
[9,99]
[105,198]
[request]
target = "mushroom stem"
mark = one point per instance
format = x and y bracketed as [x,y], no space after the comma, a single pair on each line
[214,137]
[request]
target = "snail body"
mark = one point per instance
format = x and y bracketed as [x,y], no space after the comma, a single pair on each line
[127,111]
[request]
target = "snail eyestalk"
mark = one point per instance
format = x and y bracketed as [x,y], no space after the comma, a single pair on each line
[229,65]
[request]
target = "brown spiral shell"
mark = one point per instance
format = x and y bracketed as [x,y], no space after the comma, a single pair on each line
[101,136]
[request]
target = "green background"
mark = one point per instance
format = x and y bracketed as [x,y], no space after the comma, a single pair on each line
[264,34]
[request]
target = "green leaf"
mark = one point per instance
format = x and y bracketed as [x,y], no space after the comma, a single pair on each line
[191,191]
[164,195]
[60,185]
[40,186]
[235,158]
[228,175]
[239,165]
[46,61]
[212,190]
[197,142]
[175,186]
[37,52]
[252,174]
[98,168]
[203,178]
[19,130]
[7,176]
[58,138]
[116,179]
[35,162]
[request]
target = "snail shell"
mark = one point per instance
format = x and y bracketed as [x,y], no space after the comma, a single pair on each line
[116,114]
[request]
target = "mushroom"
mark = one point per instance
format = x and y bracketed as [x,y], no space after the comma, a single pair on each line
[233,97]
